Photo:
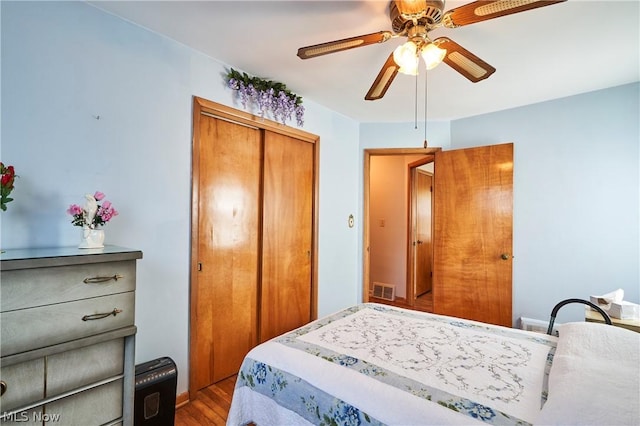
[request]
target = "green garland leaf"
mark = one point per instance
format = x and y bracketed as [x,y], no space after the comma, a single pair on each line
[262,84]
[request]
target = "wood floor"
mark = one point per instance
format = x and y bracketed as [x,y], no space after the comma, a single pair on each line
[211,405]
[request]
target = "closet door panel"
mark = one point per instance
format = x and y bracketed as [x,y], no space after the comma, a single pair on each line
[228,248]
[287,234]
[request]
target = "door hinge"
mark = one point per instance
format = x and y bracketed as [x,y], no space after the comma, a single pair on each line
[199,267]
[431,188]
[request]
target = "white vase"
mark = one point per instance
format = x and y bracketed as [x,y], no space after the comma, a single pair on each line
[92,238]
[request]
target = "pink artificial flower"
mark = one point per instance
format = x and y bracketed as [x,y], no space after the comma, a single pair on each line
[95,215]
[74,209]
[107,213]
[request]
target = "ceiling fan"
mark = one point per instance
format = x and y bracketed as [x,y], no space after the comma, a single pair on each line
[414,19]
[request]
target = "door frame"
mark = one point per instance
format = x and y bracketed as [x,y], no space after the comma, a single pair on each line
[205,107]
[366,226]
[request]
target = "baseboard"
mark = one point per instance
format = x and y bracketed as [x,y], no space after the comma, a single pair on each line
[182,399]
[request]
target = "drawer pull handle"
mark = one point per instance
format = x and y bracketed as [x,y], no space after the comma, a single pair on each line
[92,317]
[3,387]
[97,280]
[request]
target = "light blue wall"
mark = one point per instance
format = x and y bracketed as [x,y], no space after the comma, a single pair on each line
[576,196]
[404,135]
[576,192]
[64,64]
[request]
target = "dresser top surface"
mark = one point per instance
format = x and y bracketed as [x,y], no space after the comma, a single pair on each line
[60,256]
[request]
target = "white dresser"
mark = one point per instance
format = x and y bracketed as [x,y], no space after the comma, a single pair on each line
[67,336]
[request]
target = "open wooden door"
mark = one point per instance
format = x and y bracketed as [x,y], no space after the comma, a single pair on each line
[423,244]
[473,233]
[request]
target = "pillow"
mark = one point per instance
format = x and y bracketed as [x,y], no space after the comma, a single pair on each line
[594,378]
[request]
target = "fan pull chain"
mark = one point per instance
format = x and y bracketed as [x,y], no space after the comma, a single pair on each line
[425,109]
[415,119]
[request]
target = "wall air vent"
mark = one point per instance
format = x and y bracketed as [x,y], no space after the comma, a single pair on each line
[384,291]
[539,326]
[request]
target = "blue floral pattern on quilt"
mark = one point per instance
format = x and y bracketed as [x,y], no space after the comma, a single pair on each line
[297,395]
[321,408]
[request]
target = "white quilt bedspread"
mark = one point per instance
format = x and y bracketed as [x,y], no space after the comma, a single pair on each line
[373,364]
[595,377]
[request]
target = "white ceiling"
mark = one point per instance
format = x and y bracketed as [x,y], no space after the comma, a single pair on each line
[546,53]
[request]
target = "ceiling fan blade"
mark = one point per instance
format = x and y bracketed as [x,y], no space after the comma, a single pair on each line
[383,80]
[344,44]
[478,11]
[463,61]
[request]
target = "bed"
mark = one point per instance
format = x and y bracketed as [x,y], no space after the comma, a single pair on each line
[374,364]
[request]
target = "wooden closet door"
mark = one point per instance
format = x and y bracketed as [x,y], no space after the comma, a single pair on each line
[224,327]
[287,234]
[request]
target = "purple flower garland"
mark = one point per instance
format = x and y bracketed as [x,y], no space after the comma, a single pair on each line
[268,96]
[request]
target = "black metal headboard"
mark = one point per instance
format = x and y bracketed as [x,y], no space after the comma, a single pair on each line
[556,308]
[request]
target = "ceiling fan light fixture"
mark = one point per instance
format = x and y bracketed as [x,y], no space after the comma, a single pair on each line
[412,70]
[432,55]
[414,20]
[410,9]
[406,57]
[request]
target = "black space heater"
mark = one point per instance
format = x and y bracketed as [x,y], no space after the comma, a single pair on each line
[155,396]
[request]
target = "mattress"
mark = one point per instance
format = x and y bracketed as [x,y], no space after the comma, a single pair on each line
[374,364]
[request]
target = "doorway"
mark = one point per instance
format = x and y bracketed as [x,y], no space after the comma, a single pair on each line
[390,209]
[472,231]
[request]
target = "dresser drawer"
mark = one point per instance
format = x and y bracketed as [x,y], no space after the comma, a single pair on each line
[27,288]
[24,384]
[32,328]
[73,369]
[67,335]
[96,406]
